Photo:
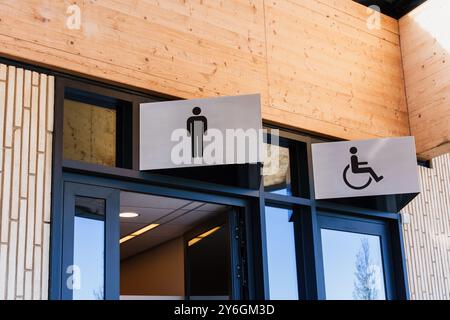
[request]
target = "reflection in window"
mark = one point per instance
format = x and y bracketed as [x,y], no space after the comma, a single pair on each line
[276,170]
[353,266]
[88,251]
[281,256]
[89,133]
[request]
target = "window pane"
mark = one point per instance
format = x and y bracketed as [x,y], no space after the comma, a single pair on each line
[89,133]
[353,266]
[281,256]
[88,251]
[276,170]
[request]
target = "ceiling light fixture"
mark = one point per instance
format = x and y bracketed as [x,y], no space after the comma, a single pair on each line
[126,238]
[128,214]
[203,235]
[139,232]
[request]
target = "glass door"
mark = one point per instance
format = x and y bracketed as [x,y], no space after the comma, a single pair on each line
[122,244]
[356,258]
[90,243]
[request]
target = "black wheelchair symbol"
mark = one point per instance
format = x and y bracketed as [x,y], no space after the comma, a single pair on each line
[355,165]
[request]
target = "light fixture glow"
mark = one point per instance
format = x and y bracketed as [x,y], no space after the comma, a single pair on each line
[145,229]
[193,241]
[128,214]
[139,232]
[126,238]
[209,232]
[202,236]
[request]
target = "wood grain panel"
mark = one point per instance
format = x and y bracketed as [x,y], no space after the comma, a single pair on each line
[24,210]
[325,64]
[426,224]
[316,64]
[425,42]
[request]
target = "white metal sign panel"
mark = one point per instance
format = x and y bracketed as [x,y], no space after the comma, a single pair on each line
[365,168]
[199,132]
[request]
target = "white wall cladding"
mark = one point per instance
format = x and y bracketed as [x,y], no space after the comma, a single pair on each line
[26,126]
[426,226]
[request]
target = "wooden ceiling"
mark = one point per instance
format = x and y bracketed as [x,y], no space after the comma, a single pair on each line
[393,8]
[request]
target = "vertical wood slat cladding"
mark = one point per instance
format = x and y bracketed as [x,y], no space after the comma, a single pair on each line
[427,233]
[425,42]
[26,103]
[316,64]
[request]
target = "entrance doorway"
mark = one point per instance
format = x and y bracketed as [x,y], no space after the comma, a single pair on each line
[122,244]
[173,248]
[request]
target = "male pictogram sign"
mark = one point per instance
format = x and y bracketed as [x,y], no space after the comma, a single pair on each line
[197,126]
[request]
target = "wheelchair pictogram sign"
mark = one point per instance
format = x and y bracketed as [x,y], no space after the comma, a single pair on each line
[357,167]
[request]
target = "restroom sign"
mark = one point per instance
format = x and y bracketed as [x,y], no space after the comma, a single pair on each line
[365,168]
[201,132]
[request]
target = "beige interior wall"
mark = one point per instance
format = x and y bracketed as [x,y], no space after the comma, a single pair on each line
[426,225]
[159,271]
[26,125]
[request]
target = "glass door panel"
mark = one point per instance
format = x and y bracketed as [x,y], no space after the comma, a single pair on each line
[353,266]
[89,248]
[91,238]
[281,255]
[356,258]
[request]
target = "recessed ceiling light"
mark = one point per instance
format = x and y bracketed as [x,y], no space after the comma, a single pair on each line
[128,214]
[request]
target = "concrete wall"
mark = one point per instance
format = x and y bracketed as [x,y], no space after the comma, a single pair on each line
[426,224]
[26,125]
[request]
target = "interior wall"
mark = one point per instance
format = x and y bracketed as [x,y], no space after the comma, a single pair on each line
[26,131]
[426,231]
[318,64]
[425,43]
[156,272]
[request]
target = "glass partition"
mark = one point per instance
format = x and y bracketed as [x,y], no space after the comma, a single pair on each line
[281,254]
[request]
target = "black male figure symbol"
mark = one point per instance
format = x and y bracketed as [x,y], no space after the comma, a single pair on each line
[197,126]
[355,166]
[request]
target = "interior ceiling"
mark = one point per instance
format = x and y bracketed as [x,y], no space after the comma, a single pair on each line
[394,8]
[175,216]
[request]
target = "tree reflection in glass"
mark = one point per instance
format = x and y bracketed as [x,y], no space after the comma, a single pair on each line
[367,281]
[353,267]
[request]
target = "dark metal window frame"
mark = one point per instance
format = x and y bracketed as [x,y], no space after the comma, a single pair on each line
[302,203]
[304,207]
[305,215]
[131,179]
